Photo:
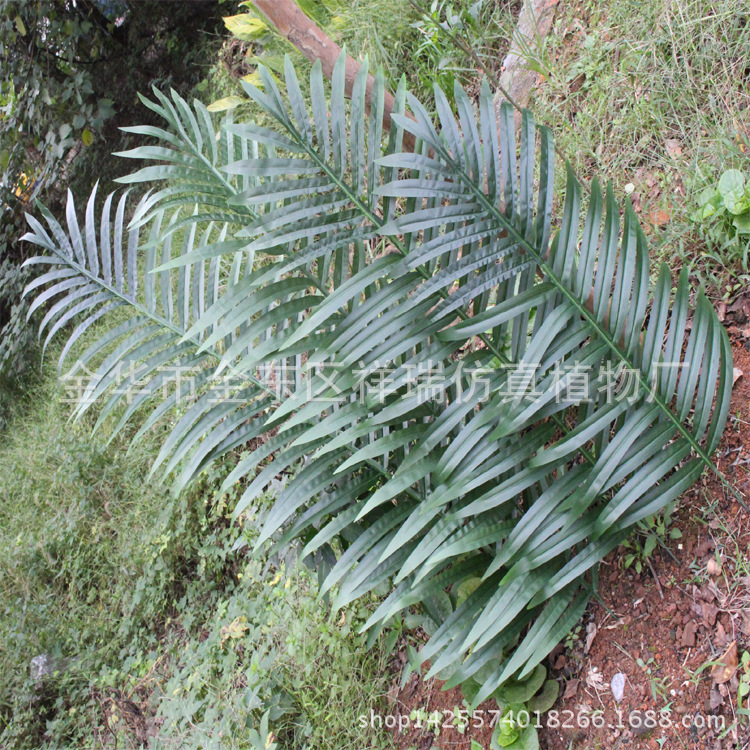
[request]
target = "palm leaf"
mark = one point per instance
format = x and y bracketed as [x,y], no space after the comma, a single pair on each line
[441,427]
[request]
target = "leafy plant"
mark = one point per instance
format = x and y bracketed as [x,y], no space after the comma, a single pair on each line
[652,531]
[521,704]
[729,199]
[659,685]
[138,599]
[723,214]
[328,276]
[432,54]
[16,338]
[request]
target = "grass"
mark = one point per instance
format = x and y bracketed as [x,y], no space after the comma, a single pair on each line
[654,98]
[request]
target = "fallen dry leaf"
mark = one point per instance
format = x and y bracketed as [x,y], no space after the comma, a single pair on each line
[577,82]
[713,568]
[727,666]
[571,688]
[736,375]
[674,147]
[591,631]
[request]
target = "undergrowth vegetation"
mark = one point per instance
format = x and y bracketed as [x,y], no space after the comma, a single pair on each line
[150,624]
[428,38]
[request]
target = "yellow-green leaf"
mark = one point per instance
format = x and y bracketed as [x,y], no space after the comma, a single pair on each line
[88,137]
[245,26]
[236,629]
[228,102]
[254,79]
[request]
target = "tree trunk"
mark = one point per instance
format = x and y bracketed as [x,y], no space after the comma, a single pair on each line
[289,20]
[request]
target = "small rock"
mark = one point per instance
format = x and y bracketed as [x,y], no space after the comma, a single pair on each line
[618,686]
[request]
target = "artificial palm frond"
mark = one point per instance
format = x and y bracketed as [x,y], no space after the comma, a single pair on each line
[106,267]
[442,431]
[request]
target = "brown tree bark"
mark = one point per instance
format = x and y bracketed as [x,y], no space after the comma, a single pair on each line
[289,20]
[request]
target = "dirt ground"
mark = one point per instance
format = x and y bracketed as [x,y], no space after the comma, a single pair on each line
[676,630]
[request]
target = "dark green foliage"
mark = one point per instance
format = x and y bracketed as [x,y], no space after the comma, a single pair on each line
[69,77]
[68,68]
[17,340]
